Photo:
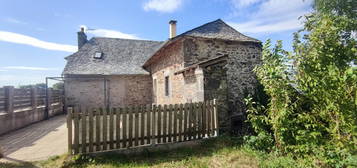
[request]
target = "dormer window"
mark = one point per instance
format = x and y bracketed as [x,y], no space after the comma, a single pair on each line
[98,55]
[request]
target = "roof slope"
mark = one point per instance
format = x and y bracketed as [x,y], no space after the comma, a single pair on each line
[218,30]
[120,56]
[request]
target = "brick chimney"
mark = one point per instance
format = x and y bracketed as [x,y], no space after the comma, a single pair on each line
[172,28]
[82,38]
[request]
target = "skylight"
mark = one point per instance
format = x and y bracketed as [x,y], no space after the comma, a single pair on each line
[98,55]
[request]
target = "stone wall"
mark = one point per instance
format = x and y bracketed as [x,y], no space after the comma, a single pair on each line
[115,91]
[86,92]
[241,58]
[215,87]
[130,90]
[229,79]
[184,87]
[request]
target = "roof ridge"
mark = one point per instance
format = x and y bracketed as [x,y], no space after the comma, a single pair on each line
[238,31]
[126,39]
[217,20]
[223,24]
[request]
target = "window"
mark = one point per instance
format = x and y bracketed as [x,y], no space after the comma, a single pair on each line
[98,55]
[167,86]
[154,94]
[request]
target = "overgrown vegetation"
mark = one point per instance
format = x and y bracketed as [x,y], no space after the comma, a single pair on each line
[227,152]
[311,110]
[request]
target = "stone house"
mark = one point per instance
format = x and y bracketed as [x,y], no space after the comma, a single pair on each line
[210,61]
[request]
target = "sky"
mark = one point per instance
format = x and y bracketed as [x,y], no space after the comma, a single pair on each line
[36,35]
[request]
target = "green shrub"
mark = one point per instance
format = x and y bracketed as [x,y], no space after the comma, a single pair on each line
[262,142]
[312,107]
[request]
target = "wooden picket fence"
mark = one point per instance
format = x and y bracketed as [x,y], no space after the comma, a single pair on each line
[102,129]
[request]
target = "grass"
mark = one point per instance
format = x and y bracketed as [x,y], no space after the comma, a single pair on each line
[216,153]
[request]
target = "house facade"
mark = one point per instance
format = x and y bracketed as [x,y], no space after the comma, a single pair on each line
[212,61]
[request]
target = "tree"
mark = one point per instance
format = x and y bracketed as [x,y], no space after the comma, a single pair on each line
[58,86]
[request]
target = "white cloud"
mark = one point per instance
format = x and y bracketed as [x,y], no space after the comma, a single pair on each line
[28,68]
[16,21]
[27,40]
[109,33]
[165,6]
[243,3]
[272,15]
[257,27]
[112,34]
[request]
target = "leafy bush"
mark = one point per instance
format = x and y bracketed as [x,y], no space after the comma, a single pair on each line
[312,106]
[262,142]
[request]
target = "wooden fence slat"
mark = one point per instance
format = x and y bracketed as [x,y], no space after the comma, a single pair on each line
[212,118]
[216,117]
[118,121]
[97,130]
[91,130]
[142,123]
[137,109]
[159,125]
[208,118]
[175,111]
[125,126]
[186,121]
[181,118]
[154,125]
[204,119]
[164,130]
[199,120]
[130,138]
[190,122]
[169,131]
[105,128]
[200,126]
[196,123]
[111,128]
[149,113]
[84,129]
[76,131]
[69,127]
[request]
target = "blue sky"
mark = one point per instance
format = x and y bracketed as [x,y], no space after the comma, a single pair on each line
[36,35]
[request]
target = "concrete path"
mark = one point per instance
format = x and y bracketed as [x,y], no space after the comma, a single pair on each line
[36,142]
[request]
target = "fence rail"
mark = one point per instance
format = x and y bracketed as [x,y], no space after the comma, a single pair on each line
[13,99]
[102,129]
[21,107]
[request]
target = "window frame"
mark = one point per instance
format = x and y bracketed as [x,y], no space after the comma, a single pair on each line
[167,86]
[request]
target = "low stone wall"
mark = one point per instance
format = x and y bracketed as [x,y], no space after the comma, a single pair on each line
[22,118]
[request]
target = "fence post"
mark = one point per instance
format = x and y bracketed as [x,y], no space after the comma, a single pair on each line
[48,103]
[69,127]
[9,99]
[34,99]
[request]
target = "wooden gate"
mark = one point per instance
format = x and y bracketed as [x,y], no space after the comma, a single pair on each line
[102,129]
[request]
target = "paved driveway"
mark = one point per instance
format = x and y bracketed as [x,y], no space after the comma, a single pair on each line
[36,142]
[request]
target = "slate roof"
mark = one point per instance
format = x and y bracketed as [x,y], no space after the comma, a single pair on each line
[126,57]
[120,56]
[218,29]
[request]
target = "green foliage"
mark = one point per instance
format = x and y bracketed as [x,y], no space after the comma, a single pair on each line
[261,142]
[58,86]
[313,109]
